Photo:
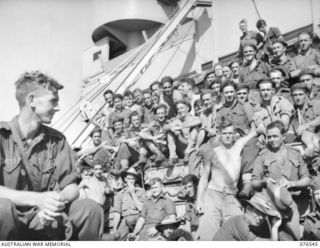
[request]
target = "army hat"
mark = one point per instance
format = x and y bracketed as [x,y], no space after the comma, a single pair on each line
[118,118]
[280,40]
[306,72]
[299,86]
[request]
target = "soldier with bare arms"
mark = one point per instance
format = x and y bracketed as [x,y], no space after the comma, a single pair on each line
[217,198]
[96,187]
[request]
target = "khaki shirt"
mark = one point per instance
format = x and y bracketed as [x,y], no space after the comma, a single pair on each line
[154,211]
[309,111]
[302,61]
[279,106]
[287,162]
[50,157]
[240,114]
[124,204]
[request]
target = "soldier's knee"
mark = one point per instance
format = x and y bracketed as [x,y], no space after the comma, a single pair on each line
[90,209]
[7,208]
[131,220]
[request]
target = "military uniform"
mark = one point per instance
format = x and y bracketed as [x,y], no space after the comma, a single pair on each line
[311,226]
[309,112]
[303,61]
[154,211]
[285,163]
[125,206]
[279,106]
[240,114]
[51,168]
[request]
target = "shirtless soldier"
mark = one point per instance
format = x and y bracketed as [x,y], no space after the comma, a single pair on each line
[216,199]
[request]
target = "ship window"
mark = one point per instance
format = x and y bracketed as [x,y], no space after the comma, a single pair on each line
[96,55]
[206,66]
[116,49]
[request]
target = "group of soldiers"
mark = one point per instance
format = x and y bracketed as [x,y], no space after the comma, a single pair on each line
[247,132]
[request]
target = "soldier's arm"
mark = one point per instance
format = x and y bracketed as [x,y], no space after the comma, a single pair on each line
[138,226]
[137,202]
[196,121]
[258,182]
[203,183]
[70,193]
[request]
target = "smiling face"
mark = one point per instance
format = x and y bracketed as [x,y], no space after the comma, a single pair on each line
[249,53]
[161,114]
[44,104]
[274,138]
[189,189]
[278,49]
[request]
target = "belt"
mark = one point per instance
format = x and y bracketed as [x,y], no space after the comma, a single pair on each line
[223,189]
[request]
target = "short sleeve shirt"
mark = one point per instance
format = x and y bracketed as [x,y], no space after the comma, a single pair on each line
[286,162]
[251,77]
[285,66]
[124,203]
[155,211]
[302,61]
[309,112]
[279,106]
[240,114]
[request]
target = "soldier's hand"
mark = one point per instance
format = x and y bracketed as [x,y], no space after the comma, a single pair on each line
[301,129]
[51,203]
[131,188]
[276,222]
[152,232]
[131,237]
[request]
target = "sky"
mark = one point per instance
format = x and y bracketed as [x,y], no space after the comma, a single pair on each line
[43,35]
